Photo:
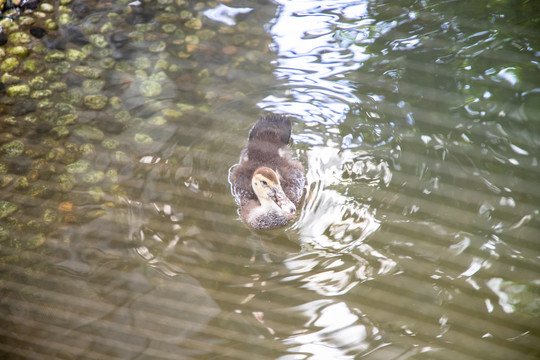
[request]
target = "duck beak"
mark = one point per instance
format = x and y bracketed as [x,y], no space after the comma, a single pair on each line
[279,197]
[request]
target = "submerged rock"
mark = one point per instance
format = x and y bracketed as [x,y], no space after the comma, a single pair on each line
[88,132]
[95,102]
[7,208]
[150,88]
[13,148]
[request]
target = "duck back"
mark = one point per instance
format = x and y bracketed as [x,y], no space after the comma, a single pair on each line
[272,128]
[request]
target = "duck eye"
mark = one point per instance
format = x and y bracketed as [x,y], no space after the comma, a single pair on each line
[264,182]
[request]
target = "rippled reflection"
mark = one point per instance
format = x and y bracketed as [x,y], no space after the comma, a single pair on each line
[417,238]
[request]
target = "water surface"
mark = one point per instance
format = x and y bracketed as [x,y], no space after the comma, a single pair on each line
[417,122]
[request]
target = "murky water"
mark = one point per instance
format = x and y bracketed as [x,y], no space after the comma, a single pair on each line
[418,125]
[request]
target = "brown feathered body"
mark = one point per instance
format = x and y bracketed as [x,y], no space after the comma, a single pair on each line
[267,148]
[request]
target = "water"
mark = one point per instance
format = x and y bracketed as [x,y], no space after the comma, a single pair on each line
[417,122]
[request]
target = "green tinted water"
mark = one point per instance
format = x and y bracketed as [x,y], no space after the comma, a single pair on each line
[417,123]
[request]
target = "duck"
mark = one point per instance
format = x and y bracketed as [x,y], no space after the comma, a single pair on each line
[267,183]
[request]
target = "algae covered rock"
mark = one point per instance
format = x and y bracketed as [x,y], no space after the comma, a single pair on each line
[95,102]
[12,148]
[7,208]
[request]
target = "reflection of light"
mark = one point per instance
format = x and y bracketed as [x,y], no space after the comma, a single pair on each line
[315,49]
[225,14]
[335,223]
[337,332]
[330,219]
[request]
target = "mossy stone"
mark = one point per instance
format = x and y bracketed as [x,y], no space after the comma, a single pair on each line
[40,94]
[8,79]
[88,72]
[64,19]
[49,216]
[93,177]
[98,40]
[19,51]
[18,38]
[33,66]
[60,131]
[21,90]
[9,64]
[35,241]
[110,144]
[38,83]
[89,133]
[150,88]
[95,102]
[78,167]
[93,86]
[75,55]
[55,56]
[7,208]
[13,148]
[143,139]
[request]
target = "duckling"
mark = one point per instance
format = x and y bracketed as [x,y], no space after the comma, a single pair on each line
[267,183]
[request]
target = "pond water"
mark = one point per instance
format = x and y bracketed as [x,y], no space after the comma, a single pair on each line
[418,123]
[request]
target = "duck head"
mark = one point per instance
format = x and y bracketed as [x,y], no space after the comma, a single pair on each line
[265,183]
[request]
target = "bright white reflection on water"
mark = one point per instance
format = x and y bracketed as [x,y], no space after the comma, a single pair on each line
[313,60]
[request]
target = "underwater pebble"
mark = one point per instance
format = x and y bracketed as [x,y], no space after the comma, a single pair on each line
[88,72]
[21,183]
[5,180]
[4,234]
[50,24]
[168,28]
[150,88]
[121,157]
[9,64]
[157,121]
[32,66]
[35,241]
[65,182]
[75,55]
[93,86]
[66,119]
[93,177]
[112,175]
[55,154]
[8,79]
[55,56]
[46,7]
[87,149]
[157,46]
[60,131]
[19,51]
[110,144]
[8,25]
[143,138]
[96,193]
[88,132]
[38,83]
[40,94]
[58,86]
[142,63]
[7,208]
[64,19]
[13,148]
[25,20]
[18,90]
[18,38]
[78,167]
[95,102]
[98,40]
[49,216]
